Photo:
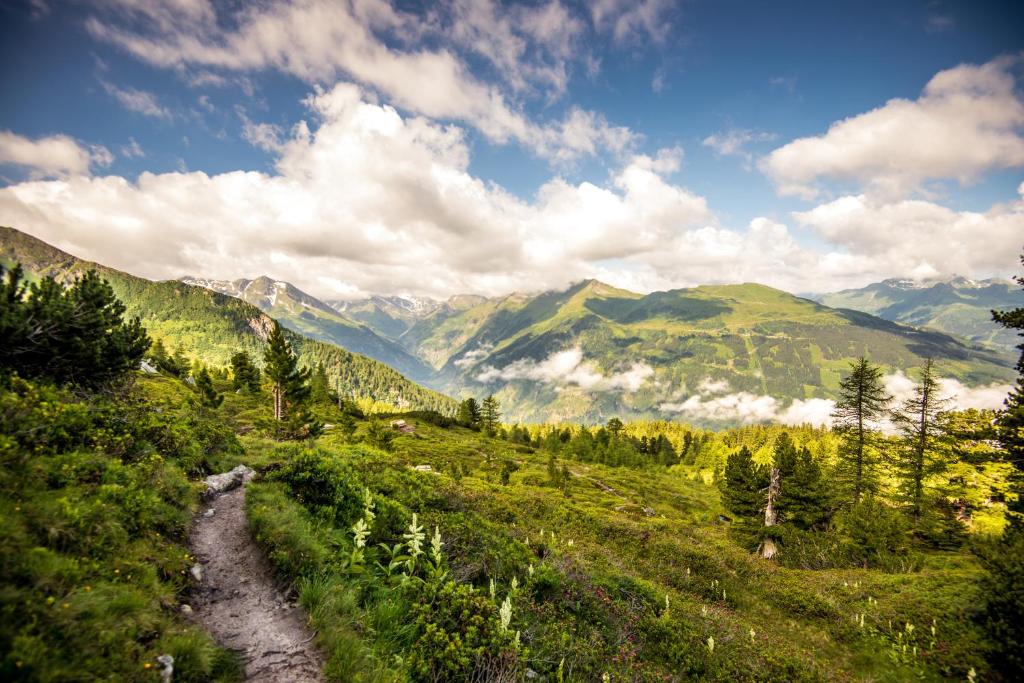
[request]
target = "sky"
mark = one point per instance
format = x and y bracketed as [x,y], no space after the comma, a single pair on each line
[357,147]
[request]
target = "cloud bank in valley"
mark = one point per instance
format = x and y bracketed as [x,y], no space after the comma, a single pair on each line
[568,368]
[714,402]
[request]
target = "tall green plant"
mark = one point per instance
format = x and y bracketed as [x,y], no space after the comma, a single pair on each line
[862,402]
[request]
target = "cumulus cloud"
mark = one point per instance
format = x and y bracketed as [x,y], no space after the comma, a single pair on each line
[365,199]
[713,402]
[568,368]
[968,120]
[56,155]
[384,48]
[918,238]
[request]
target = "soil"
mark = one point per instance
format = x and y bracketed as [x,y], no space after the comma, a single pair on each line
[238,602]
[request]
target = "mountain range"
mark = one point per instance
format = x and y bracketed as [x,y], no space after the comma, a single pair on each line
[588,352]
[958,306]
[210,326]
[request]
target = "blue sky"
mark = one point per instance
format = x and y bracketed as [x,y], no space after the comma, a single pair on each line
[652,144]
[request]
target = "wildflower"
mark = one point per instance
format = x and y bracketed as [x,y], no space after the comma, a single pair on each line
[147,665]
[435,546]
[516,640]
[368,505]
[492,591]
[515,583]
[529,570]
[862,620]
[711,645]
[570,542]
[605,678]
[666,603]
[414,539]
[360,531]
[753,635]
[505,613]
[687,572]
[704,610]
[972,675]
[910,629]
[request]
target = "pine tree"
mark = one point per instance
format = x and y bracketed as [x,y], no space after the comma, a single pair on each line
[469,413]
[289,385]
[75,335]
[862,402]
[743,484]
[615,427]
[320,386]
[208,396]
[918,424]
[246,375]
[1010,421]
[804,501]
[490,414]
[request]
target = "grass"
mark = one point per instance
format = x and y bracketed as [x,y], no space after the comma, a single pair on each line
[602,568]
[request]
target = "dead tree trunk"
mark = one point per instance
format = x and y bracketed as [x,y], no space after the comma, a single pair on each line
[771,515]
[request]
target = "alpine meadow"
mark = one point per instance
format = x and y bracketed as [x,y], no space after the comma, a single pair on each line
[512,341]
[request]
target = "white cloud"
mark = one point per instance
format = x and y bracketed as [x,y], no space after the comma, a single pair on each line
[631,22]
[139,101]
[568,368]
[920,239]
[712,403]
[386,49]
[473,357]
[958,395]
[56,155]
[386,204]
[968,120]
[133,150]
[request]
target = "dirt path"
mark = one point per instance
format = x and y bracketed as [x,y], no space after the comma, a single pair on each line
[238,603]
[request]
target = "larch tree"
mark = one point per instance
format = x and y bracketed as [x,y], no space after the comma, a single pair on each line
[917,420]
[863,401]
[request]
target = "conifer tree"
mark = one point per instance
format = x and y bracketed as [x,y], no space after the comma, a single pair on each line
[208,396]
[804,500]
[469,413]
[289,385]
[320,386]
[74,335]
[919,426]
[743,484]
[490,414]
[246,375]
[862,401]
[1003,616]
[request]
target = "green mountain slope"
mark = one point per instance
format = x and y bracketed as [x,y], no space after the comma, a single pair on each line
[212,326]
[312,317]
[958,306]
[594,351]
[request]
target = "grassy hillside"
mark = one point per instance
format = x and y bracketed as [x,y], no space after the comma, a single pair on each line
[628,573]
[211,327]
[312,318]
[958,307]
[758,339]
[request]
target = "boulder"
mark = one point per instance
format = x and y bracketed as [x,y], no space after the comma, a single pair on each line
[220,483]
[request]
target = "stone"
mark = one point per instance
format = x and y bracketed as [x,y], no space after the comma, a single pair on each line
[197,572]
[221,483]
[186,610]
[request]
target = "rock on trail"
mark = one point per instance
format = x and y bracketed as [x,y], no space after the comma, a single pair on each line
[237,601]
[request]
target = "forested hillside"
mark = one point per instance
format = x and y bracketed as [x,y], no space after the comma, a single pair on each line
[958,306]
[313,318]
[641,355]
[211,327]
